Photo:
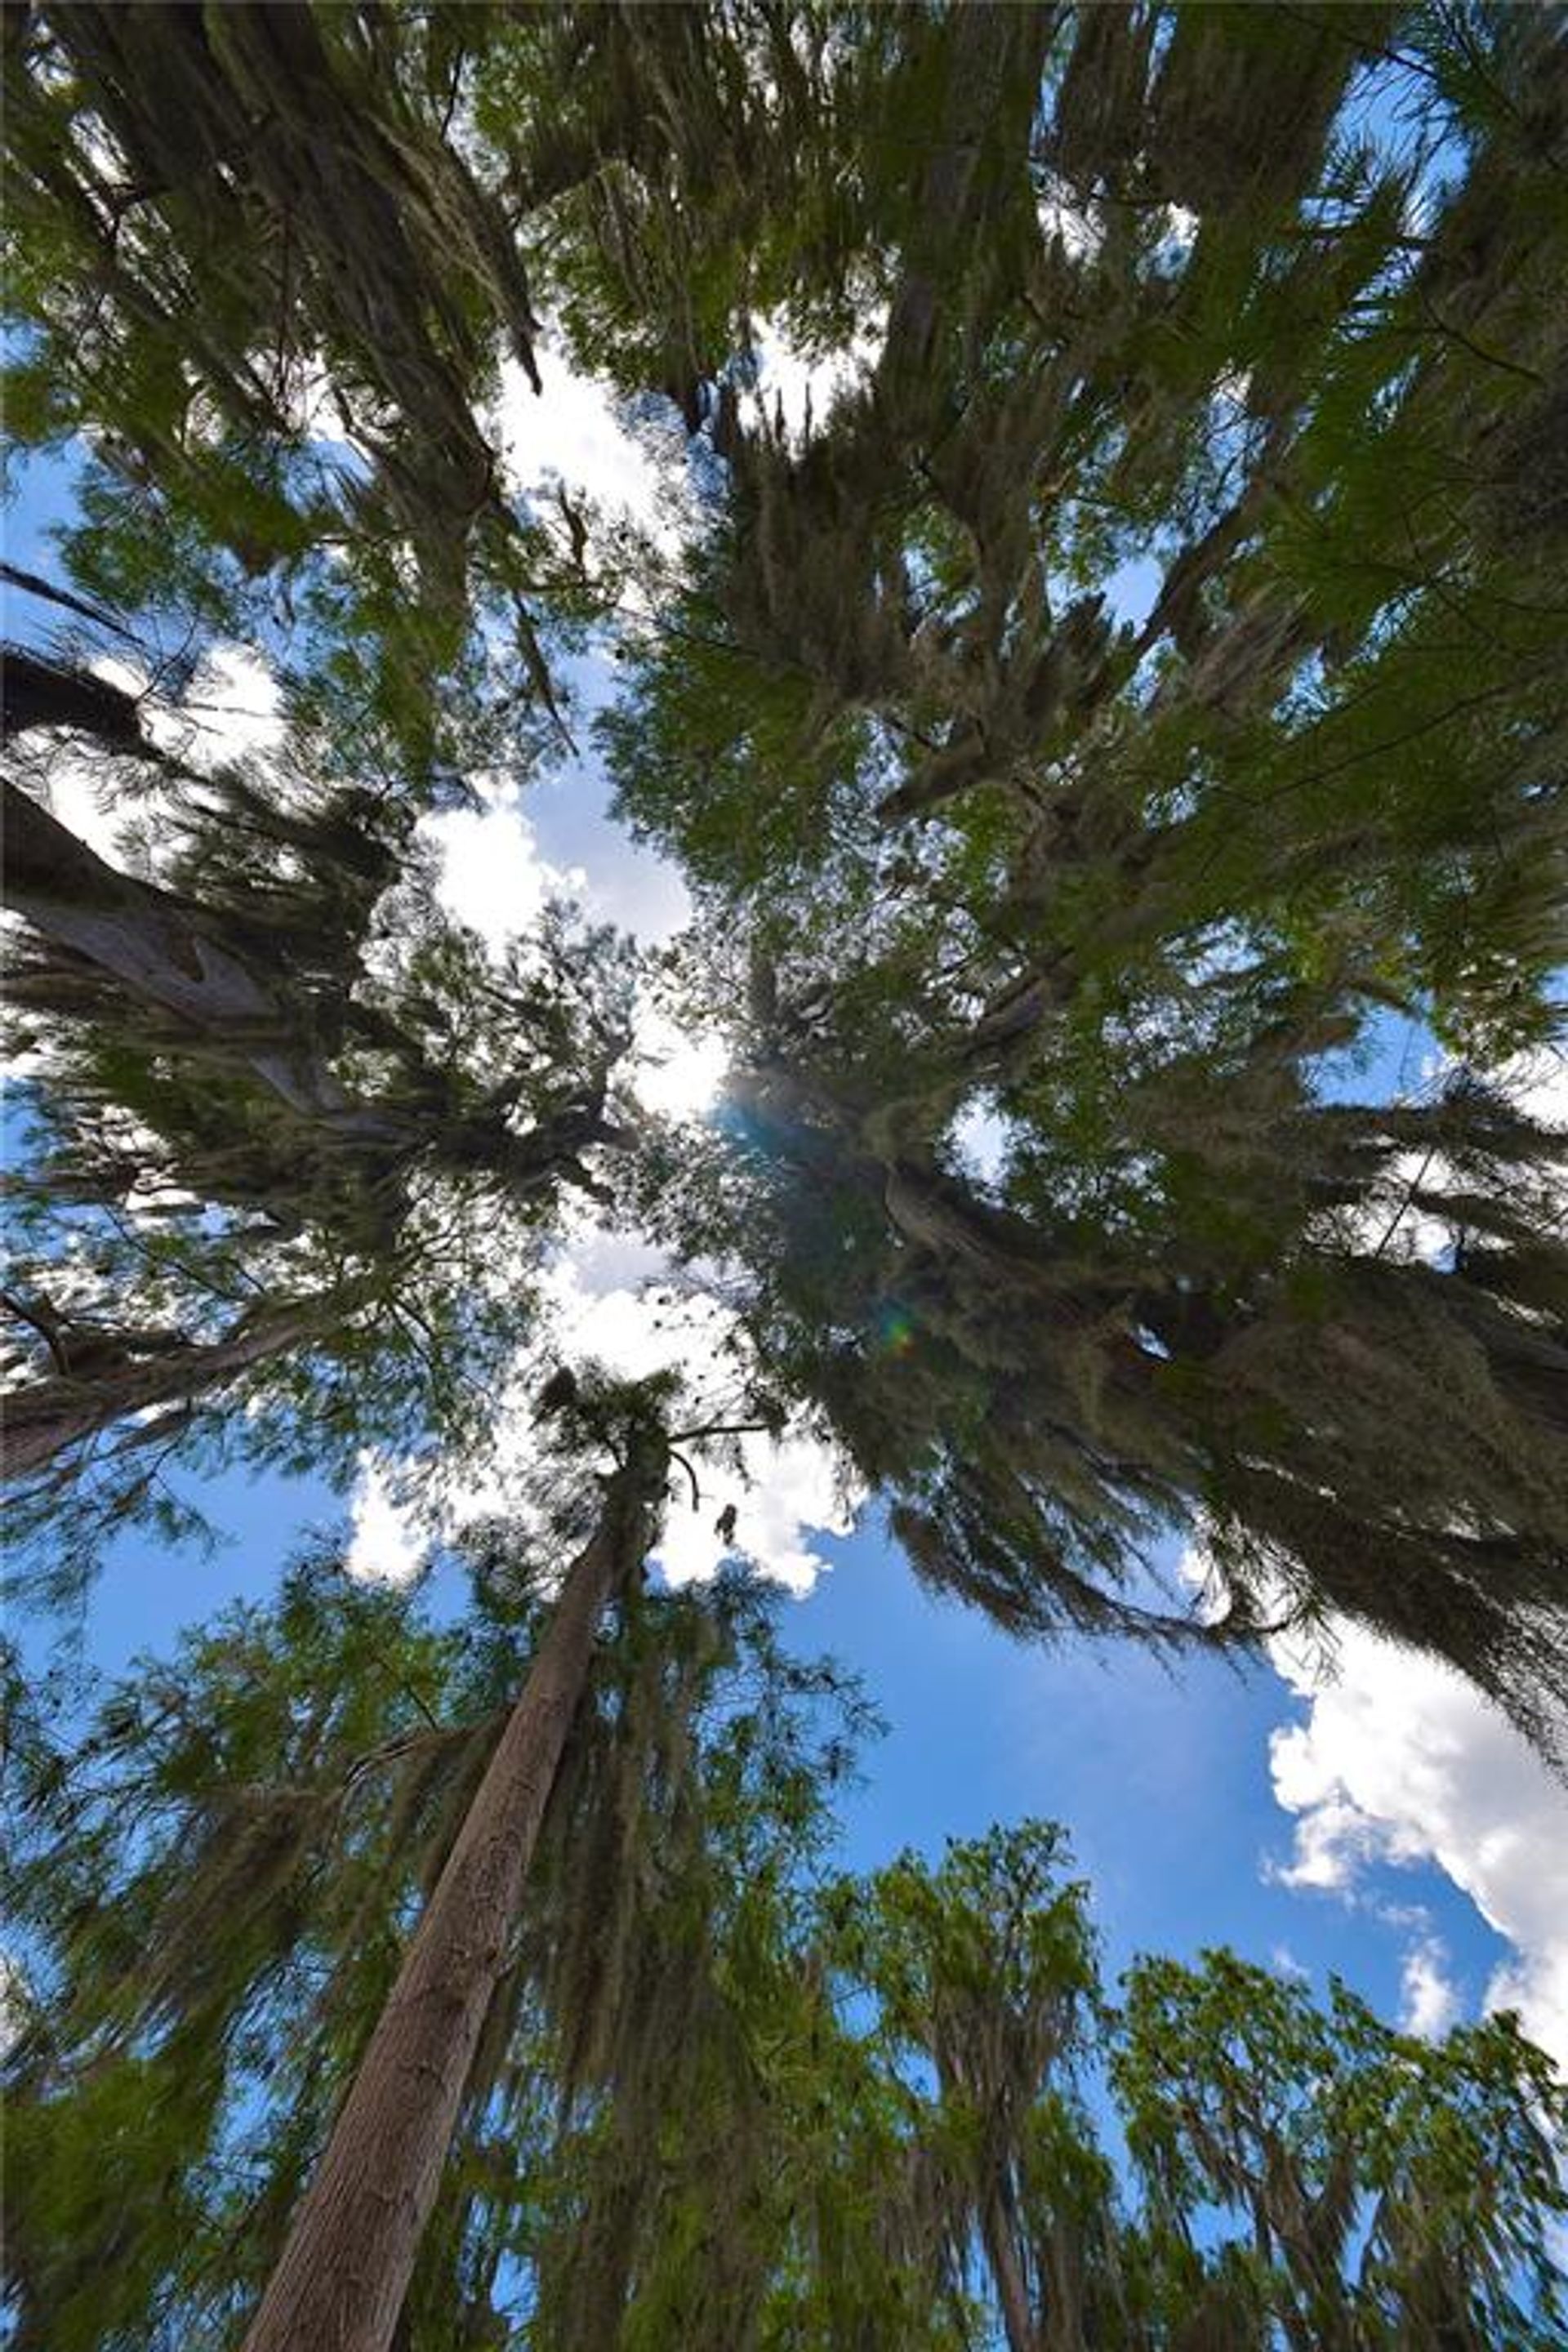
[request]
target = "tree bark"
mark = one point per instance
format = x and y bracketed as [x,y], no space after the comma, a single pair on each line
[37,693]
[43,1419]
[167,952]
[341,2278]
[1012,2294]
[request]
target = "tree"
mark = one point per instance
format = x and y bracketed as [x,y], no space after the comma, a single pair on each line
[984,1971]
[716,2091]
[150,153]
[1250,1355]
[1140,686]
[343,2271]
[217,1885]
[1379,2181]
[271,1086]
[1116,877]
[1264,2129]
[1137,888]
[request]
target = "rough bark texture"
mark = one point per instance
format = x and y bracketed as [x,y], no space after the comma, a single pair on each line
[340,2280]
[1006,2271]
[167,952]
[43,1419]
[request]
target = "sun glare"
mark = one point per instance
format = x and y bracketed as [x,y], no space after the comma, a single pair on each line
[679,1072]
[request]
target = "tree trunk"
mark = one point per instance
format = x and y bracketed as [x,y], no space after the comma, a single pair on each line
[37,693]
[165,951]
[44,1419]
[340,2280]
[1012,2294]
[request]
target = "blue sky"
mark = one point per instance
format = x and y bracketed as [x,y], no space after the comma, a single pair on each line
[1345,1829]
[1161,1776]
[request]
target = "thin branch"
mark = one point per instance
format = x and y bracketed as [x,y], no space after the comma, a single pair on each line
[696,1489]
[30,582]
[723,1428]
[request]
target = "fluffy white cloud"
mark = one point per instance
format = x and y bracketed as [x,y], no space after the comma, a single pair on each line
[1179,231]
[1428,2000]
[72,783]
[979,1136]
[676,1072]
[783,1490]
[575,432]
[388,1545]
[1400,1760]
[498,865]
[493,877]
[610,1298]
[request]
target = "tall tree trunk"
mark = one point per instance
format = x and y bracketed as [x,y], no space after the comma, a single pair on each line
[1007,2271]
[44,1419]
[166,952]
[340,2280]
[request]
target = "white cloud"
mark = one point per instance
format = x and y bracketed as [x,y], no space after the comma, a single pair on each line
[1428,1999]
[492,876]
[575,432]
[1539,1082]
[782,1492]
[980,1139]
[783,1489]
[498,865]
[232,709]
[1179,229]
[234,704]
[1401,1761]
[388,1545]
[612,1298]
[70,782]
[804,391]
[676,1072]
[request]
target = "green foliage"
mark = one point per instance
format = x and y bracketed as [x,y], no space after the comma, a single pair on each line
[1252,314]
[299,1216]
[213,1885]
[1422,2168]
[1129,884]
[721,2094]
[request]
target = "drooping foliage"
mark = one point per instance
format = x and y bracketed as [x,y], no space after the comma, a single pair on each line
[294,1137]
[249,260]
[216,1880]
[1130,697]
[721,2098]
[1120,701]
[1154,718]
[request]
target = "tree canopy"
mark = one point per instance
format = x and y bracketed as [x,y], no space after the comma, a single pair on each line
[724,2092]
[1104,700]
[1129,867]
